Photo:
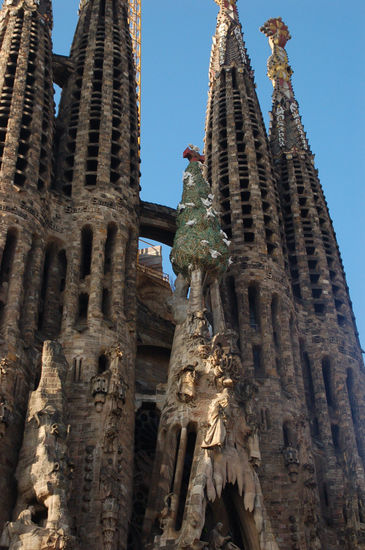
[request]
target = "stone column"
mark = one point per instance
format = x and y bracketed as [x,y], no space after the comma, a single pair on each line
[97,273]
[217,309]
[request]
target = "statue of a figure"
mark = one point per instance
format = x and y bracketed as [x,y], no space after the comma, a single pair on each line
[220,363]
[111,432]
[186,384]
[13,530]
[218,413]
[217,541]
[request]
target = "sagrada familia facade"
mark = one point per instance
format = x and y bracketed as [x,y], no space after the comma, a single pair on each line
[228,414]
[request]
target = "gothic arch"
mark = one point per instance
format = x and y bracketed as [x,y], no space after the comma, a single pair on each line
[237,522]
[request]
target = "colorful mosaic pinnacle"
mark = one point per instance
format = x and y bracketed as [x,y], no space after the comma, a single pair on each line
[199,241]
[278,68]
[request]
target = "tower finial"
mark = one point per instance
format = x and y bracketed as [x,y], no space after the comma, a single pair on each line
[286,123]
[278,68]
[228,46]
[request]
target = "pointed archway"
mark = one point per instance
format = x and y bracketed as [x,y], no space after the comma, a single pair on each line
[237,522]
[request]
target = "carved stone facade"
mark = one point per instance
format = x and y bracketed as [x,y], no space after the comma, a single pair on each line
[228,414]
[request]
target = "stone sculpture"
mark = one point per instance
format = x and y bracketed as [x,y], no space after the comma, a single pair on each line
[217,541]
[44,469]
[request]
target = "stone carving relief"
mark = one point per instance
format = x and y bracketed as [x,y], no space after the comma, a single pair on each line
[111,382]
[186,386]
[44,469]
[111,432]
[217,541]
[291,457]
[109,519]
[99,390]
[109,494]
[109,390]
[88,477]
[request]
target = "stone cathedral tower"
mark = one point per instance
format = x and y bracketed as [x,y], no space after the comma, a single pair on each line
[226,415]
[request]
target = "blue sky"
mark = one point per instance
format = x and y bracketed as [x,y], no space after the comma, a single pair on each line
[326,53]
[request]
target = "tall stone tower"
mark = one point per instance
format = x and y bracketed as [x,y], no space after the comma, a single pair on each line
[68,273]
[27,127]
[228,414]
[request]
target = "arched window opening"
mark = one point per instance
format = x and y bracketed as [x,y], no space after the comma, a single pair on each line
[353,408]
[293,342]
[48,258]
[59,288]
[28,283]
[274,320]
[236,523]
[325,495]
[326,371]
[103,363]
[109,247]
[258,362]
[289,436]
[106,305]
[335,430]
[86,251]
[130,254]
[83,307]
[145,439]
[315,428]
[253,304]
[231,312]
[177,447]
[308,381]
[62,263]
[7,258]
[188,462]
[77,369]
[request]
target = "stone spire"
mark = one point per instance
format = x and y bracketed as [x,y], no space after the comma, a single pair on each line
[44,8]
[99,149]
[324,313]
[286,132]
[228,45]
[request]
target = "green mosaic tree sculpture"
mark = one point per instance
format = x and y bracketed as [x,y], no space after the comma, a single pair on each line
[199,243]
